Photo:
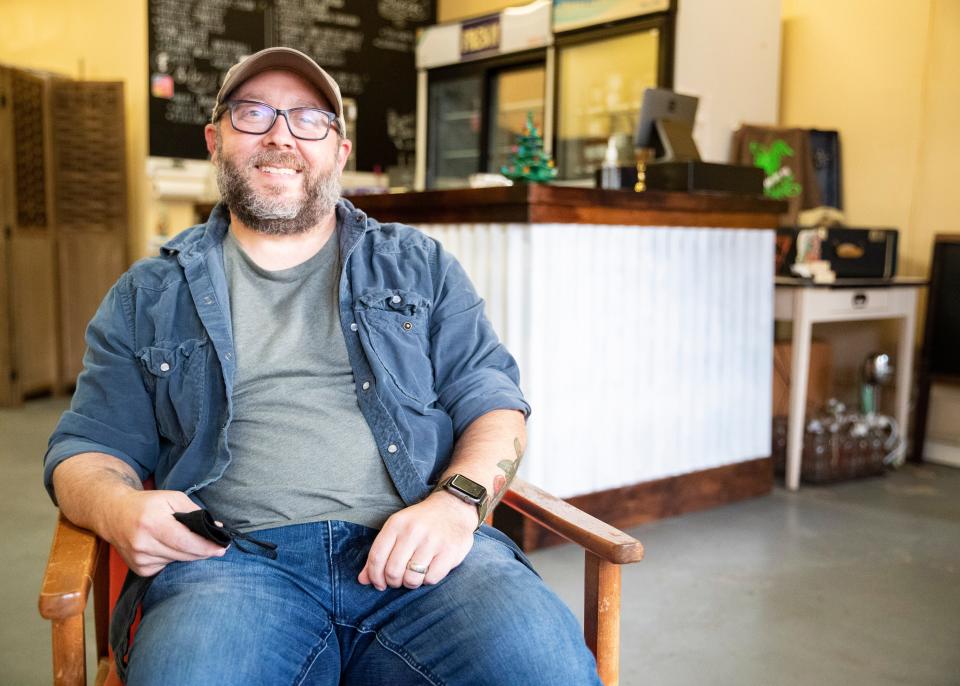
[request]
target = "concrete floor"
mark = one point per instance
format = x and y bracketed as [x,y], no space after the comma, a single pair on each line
[857,583]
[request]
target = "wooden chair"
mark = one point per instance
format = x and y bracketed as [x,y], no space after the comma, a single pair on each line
[79,560]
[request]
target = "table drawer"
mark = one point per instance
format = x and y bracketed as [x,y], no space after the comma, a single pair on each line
[859,302]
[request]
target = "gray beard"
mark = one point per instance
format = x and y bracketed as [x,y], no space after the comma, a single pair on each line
[267,212]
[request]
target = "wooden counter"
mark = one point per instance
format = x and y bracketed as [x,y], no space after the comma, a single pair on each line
[536,203]
[643,327]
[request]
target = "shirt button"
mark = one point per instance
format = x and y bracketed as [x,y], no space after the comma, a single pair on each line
[392,448]
[164,367]
[366,386]
[353,326]
[229,356]
[208,300]
[395,299]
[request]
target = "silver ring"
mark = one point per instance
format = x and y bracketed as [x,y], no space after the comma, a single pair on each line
[417,569]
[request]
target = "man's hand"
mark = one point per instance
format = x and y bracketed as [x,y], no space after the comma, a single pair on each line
[436,533]
[143,530]
[104,494]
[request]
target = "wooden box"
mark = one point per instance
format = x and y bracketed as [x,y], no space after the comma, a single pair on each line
[820,380]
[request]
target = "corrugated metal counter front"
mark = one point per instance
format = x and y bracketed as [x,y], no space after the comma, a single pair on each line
[645,348]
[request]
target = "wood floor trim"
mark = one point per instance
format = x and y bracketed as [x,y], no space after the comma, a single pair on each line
[651,500]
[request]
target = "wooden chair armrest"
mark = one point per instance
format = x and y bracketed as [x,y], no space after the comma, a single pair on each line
[69,573]
[606,542]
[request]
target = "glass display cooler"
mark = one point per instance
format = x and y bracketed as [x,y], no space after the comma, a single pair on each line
[474,118]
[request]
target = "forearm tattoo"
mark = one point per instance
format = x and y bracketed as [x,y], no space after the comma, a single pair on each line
[128,479]
[501,482]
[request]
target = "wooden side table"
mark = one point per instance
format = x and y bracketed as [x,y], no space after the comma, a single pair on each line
[806,304]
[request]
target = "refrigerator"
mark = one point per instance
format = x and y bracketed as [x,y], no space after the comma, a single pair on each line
[601,77]
[475,114]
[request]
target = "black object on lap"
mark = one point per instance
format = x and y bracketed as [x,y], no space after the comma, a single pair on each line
[202,523]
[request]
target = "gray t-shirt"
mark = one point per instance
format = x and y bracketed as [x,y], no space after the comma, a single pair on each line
[301,450]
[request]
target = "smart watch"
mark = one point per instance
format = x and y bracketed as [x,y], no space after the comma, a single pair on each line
[468,491]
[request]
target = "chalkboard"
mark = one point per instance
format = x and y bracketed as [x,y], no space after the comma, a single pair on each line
[366,45]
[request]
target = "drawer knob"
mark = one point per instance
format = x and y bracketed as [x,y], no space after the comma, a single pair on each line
[859,299]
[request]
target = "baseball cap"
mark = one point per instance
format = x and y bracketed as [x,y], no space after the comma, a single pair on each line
[283,58]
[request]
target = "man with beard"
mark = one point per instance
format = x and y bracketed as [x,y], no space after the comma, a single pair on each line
[322,393]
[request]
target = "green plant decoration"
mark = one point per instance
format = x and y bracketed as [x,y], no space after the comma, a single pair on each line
[779,183]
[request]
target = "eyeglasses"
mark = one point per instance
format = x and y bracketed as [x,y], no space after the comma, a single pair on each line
[305,123]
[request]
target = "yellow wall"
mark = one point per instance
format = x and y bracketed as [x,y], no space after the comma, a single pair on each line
[103,40]
[884,75]
[455,10]
[934,200]
[934,203]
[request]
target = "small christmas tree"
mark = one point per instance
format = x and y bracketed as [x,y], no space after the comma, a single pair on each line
[529,162]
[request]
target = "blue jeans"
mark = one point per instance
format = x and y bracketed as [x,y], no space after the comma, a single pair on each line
[304,619]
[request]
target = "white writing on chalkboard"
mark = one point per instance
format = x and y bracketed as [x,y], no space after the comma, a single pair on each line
[182,109]
[402,11]
[349,81]
[389,38]
[402,129]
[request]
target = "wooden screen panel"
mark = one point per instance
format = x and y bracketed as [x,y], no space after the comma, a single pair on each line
[29,145]
[8,391]
[89,264]
[29,351]
[89,156]
[91,205]
[34,312]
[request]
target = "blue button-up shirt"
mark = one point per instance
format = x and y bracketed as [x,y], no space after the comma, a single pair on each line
[159,368]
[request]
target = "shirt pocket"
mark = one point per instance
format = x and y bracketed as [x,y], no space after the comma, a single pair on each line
[175,375]
[395,324]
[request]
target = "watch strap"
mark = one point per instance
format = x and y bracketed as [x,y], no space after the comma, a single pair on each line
[444,485]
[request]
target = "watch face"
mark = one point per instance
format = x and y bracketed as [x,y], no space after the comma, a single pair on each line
[468,487]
